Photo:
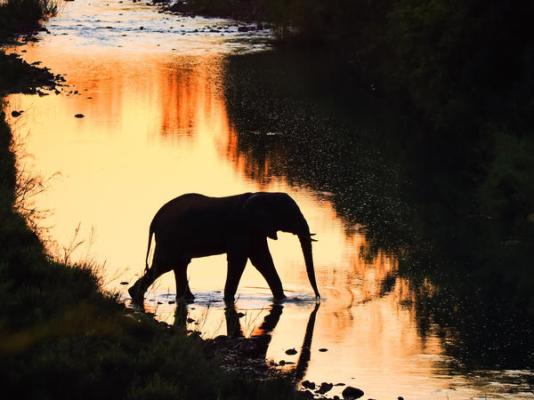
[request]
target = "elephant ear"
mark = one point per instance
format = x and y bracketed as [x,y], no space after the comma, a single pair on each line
[258,215]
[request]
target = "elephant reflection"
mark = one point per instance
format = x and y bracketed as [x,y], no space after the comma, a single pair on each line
[257,345]
[193,225]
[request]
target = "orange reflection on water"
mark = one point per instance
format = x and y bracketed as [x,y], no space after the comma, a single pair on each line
[158,128]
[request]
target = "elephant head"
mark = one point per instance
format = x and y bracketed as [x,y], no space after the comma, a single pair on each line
[268,213]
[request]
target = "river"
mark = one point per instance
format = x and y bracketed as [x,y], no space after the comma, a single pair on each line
[156,124]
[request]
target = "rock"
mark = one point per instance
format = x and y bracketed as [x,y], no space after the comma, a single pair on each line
[325,387]
[243,29]
[79,115]
[352,393]
[291,352]
[339,384]
[308,385]
[400,398]
[282,362]
[16,114]
[306,394]
[124,283]
[322,349]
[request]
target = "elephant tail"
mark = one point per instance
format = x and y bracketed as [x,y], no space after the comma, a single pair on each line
[150,232]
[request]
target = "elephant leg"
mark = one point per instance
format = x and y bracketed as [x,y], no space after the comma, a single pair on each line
[137,291]
[183,292]
[158,268]
[260,256]
[236,265]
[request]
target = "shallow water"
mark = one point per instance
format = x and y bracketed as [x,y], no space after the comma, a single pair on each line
[156,125]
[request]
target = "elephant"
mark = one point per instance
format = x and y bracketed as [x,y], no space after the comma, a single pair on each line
[193,225]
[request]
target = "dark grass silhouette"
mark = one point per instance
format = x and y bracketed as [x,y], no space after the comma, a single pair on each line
[24,16]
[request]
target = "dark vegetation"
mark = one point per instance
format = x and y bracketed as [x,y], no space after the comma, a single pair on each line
[24,16]
[417,117]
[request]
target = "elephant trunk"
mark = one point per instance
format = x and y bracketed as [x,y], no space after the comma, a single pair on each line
[306,245]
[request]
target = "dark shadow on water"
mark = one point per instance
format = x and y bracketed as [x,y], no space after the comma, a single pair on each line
[455,208]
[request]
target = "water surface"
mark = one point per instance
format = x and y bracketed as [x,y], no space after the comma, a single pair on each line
[156,125]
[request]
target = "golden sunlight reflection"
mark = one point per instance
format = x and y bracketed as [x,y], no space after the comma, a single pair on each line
[157,128]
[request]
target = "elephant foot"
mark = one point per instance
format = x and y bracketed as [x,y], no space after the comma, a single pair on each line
[137,295]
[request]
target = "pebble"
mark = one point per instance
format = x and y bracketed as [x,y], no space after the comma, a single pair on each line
[306,394]
[16,114]
[322,349]
[79,115]
[308,384]
[291,352]
[352,393]
[325,387]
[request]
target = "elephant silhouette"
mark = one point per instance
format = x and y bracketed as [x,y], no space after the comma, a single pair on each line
[194,225]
